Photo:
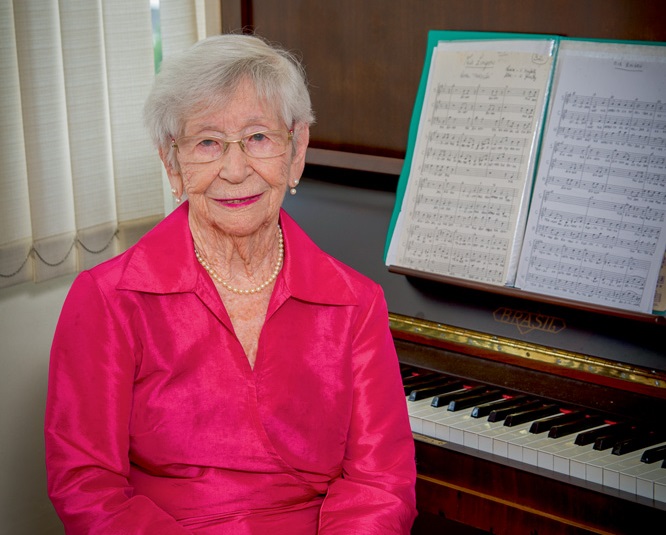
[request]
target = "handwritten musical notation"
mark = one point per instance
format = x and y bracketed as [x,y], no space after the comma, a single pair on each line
[597,224]
[474,153]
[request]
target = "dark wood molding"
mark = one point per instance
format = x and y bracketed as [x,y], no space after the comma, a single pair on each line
[364,59]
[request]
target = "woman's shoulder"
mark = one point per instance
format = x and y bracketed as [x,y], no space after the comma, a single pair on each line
[143,259]
[106,274]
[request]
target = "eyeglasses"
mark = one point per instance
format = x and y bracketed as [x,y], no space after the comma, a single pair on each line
[206,149]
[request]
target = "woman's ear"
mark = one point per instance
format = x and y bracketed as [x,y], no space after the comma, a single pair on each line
[173,173]
[301,139]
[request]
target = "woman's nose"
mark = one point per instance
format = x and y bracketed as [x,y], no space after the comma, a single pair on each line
[233,164]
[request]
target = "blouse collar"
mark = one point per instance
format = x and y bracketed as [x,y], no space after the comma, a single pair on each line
[163,262]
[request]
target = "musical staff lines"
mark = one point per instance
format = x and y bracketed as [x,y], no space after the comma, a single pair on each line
[472,159]
[597,225]
[590,224]
[506,109]
[614,278]
[455,252]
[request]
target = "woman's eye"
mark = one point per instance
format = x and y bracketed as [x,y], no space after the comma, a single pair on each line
[257,138]
[208,143]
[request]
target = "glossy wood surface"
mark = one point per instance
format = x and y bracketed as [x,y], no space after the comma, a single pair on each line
[364,59]
[505,500]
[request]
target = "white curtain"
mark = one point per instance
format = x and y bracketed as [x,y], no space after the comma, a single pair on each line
[79,177]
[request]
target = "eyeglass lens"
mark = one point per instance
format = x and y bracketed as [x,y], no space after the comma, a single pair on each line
[202,149]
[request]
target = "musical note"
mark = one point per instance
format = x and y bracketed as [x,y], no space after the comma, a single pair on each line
[597,224]
[470,166]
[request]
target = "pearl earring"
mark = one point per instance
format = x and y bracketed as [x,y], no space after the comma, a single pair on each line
[293,189]
[174,192]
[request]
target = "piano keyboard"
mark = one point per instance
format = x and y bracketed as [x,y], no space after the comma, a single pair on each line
[619,456]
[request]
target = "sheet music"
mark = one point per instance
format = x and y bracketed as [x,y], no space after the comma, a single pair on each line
[596,231]
[464,208]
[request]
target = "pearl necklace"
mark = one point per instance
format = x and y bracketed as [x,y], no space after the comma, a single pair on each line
[256,289]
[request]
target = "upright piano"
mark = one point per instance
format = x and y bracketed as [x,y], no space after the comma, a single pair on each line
[514,437]
[364,61]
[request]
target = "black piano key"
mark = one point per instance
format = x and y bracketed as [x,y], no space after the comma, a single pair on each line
[471,401]
[424,382]
[444,399]
[654,454]
[543,425]
[530,415]
[589,437]
[486,408]
[586,422]
[500,414]
[644,440]
[429,391]
[616,435]
[421,377]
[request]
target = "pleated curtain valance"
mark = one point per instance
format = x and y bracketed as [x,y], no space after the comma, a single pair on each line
[79,177]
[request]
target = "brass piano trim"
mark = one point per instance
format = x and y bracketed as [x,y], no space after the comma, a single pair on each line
[566,361]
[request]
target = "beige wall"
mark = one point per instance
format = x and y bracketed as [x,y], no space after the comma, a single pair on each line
[28,315]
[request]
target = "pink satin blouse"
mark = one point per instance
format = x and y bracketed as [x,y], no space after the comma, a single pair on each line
[157,424]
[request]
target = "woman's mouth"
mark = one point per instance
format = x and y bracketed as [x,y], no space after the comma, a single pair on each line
[241,201]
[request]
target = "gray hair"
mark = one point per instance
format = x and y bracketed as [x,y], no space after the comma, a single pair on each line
[209,72]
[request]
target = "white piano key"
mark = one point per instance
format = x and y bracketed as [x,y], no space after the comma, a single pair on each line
[473,434]
[562,459]
[505,438]
[486,432]
[545,455]
[436,422]
[471,440]
[555,453]
[526,447]
[611,471]
[518,443]
[659,488]
[591,463]
[486,435]
[419,412]
[577,469]
[563,453]
[416,406]
[652,484]
[462,426]
[628,469]
[560,455]
[485,443]
[630,477]
[445,427]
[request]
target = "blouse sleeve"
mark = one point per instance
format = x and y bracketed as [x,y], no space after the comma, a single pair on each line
[376,491]
[87,422]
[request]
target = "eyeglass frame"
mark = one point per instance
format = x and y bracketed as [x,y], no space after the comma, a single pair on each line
[241,144]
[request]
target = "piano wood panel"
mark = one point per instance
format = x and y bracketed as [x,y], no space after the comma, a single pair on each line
[364,59]
[504,500]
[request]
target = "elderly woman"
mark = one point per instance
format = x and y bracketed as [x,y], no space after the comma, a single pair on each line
[224,375]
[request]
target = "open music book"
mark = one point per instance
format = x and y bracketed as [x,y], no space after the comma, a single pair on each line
[538,163]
